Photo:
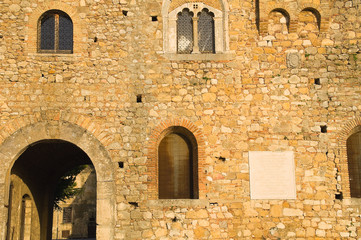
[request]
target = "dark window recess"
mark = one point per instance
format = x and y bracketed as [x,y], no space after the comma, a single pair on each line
[56,33]
[206,32]
[178,169]
[185,32]
[121,164]
[65,234]
[324,129]
[67,214]
[339,196]
[125,13]
[317,81]
[154,18]
[139,98]
[95,39]
[354,164]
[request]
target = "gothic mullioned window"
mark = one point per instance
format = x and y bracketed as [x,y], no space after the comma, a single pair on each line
[55,32]
[196,30]
[206,31]
[195,34]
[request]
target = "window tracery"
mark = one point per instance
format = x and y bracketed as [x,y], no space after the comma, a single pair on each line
[195,29]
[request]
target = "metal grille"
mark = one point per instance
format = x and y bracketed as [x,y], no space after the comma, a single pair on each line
[175,168]
[48,32]
[56,32]
[65,33]
[67,214]
[206,32]
[185,32]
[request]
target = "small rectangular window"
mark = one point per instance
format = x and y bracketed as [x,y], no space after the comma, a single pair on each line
[67,214]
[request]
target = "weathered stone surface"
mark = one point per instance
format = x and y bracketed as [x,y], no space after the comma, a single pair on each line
[288,70]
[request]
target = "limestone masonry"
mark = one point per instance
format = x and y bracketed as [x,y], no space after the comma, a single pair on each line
[104,82]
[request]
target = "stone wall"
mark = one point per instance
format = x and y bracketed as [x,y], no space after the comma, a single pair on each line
[282,84]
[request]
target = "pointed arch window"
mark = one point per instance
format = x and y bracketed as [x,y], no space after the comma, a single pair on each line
[55,32]
[177,165]
[354,163]
[195,34]
[185,31]
[206,31]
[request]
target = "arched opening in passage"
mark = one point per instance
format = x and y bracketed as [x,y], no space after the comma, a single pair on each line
[309,23]
[34,179]
[278,22]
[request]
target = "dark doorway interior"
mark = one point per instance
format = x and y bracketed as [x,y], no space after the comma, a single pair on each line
[35,175]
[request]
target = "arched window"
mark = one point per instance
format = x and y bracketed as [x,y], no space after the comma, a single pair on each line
[195,34]
[206,31]
[354,163]
[55,32]
[177,165]
[185,31]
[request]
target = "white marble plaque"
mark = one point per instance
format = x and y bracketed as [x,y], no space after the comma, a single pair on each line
[272,175]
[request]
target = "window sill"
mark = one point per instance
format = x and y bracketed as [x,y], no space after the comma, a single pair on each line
[200,57]
[54,57]
[178,203]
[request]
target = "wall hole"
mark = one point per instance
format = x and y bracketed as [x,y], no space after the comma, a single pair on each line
[121,164]
[135,204]
[125,12]
[339,196]
[95,39]
[324,129]
[139,98]
[154,18]
[317,81]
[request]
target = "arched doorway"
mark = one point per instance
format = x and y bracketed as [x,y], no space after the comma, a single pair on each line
[36,173]
[23,155]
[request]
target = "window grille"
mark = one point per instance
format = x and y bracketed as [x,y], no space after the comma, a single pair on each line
[206,32]
[55,33]
[67,214]
[185,31]
[354,164]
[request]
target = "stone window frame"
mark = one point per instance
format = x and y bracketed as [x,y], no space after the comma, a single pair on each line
[152,164]
[56,14]
[79,29]
[222,50]
[343,183]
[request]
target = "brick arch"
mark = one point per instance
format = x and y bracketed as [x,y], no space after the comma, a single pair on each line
[20,133]
[316,13]
[152,164]
[284,9]
[32,27]
[348,129]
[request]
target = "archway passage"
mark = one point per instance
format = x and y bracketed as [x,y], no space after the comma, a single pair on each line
[35,175]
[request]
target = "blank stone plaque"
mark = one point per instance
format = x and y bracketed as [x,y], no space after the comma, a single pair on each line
[272,175]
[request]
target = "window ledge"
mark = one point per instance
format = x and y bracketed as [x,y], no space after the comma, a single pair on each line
[200,57]
[178,203]
[54,57]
